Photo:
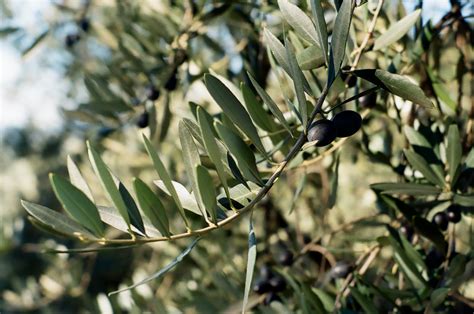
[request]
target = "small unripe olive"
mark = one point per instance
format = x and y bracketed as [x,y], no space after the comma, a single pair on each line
[322,131]
[143,120]
[454,213]
[347,123]
[441,220]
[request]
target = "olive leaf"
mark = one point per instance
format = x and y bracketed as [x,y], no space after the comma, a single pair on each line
[396,84]
[77,204]
[340,34]
[300,22]
[397,30]
[318,15]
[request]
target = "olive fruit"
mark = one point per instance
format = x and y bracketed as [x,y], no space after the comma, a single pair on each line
[285,258]
[266,272]
[71,39]
[434,259]
[143,120]
[277,284]
[347,123]
[152,93]
[84,24]
[454,213]
[261,286]
[172,82]
[441,220]
[407,231]
[323,131]
[368,101]
[340,270]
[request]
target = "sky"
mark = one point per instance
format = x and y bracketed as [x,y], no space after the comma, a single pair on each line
[31,91]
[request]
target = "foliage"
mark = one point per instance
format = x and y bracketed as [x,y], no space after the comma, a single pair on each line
[265,143]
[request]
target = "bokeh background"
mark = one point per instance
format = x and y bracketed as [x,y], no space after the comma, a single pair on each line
[36,138]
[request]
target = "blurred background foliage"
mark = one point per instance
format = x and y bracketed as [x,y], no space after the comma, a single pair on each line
[134,66]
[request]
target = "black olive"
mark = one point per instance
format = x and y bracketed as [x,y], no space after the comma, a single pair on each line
[340,270]
[266,272]
[261,286]
[143,120]
[407,231]
[71,40]
[152,93]
[454,213]
[285,258]
[434,259]
[172,82]
[441,220]
[368,101]
[277,284]
[347,123]
[84,24]
[323,131]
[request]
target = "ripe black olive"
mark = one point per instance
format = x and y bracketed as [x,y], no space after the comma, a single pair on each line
[347,123]
[71,39]
[340,270]
[434,259]
[152,93]
[368,101]
[441,220]
[351,80]
[172,82]
[277,284]
[407,231]
[322,131]
[261,286]
[143,120]
[454,213]
[285,258]
[84,24]
[266,272]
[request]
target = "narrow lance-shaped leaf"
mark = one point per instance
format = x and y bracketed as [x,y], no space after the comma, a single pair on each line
[56,221]
[152,207]
[233,109]
[186,198]
[251,258]
[310,58]
[277,49]
[397,30]
[321,28]
[210,143]
[163,271]
[340,33]
[164,176]
[406,188]
[244,156]
[396,84]
[132,209]
[77,179]
[191,160]
[300,22]
[297,77]
[270,103]
[108,183]
[420,164]
[454,152]
[206,191]
[256,110]
[77,204]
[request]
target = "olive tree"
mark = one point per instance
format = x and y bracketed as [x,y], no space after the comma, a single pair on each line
[252,111]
